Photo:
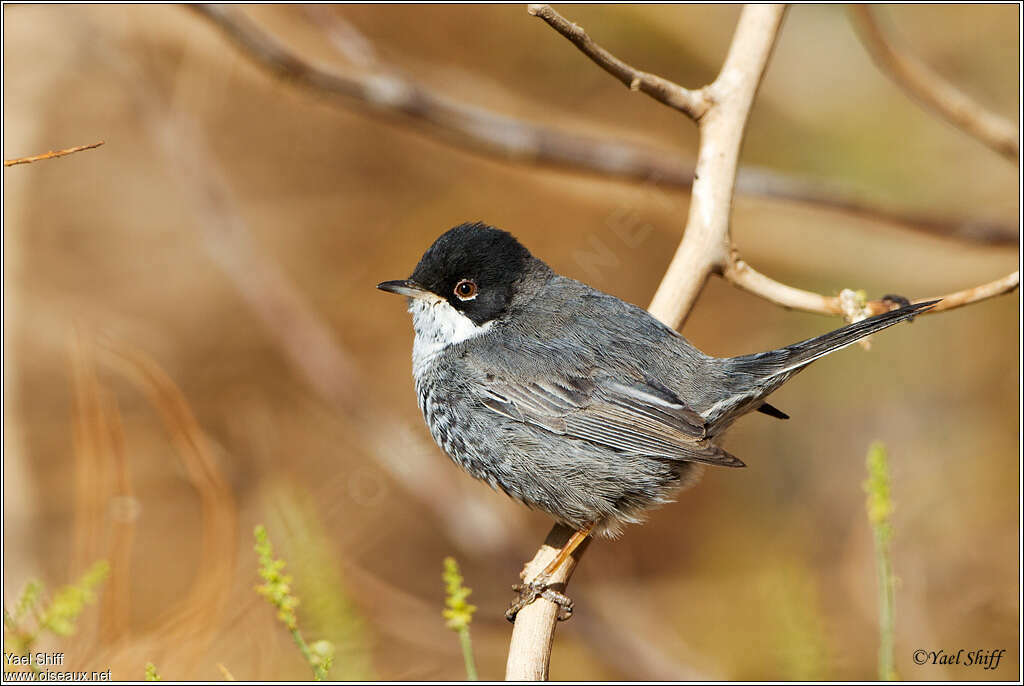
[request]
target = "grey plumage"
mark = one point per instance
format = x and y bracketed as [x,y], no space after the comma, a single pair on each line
[571,400]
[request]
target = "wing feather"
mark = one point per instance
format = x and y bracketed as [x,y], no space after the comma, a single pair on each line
[642,418]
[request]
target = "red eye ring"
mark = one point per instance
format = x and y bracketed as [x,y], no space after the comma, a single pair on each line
[466,289]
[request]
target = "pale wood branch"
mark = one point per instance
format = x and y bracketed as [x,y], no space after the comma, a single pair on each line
[917,79]
[530,648]
[484,132]
[743,276]
[705,248]
[691,103]
[51,154]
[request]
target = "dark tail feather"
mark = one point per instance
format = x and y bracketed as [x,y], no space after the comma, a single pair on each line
[799,355]
[772,411]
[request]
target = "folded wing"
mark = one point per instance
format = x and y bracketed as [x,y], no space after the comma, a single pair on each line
[641,418]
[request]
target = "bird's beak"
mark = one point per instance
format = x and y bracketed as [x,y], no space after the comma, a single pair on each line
[404,287]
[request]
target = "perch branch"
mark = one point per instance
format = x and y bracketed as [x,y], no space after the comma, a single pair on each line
[742,275]
[691,103]
[704,248]
[917,79]
[482,131]
[529,652]
[51,154]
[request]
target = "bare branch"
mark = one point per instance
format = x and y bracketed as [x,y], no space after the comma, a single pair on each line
[705,245]
[917,79]
[485,132]
[1007,284]
[345,37]
[530,649]
[742,275]
[691,103]
[51,154]
[704,248]
[770,184]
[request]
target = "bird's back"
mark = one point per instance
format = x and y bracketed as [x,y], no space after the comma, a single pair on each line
[571,325]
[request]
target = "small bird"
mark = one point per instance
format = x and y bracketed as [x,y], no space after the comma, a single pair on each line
[571,400]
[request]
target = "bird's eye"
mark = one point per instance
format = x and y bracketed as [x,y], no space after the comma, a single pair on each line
[465,289]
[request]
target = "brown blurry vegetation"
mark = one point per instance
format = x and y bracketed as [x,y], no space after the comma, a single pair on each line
[209,275]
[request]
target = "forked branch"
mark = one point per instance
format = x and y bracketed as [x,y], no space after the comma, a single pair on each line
[705,246]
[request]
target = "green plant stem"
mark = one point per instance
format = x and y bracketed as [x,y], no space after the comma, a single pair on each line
[467,654]
[879,506]
[319,673]
[886,593]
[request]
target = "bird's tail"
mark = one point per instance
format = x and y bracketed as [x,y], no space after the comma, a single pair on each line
[794,357]
[753,377]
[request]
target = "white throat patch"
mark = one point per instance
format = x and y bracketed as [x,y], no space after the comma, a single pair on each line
[438,325]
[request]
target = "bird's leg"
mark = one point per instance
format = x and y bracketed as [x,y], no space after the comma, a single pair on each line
[539,587]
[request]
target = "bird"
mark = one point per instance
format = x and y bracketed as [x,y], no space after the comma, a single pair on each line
[573,401]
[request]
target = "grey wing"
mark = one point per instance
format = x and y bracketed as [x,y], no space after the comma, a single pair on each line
[642,418]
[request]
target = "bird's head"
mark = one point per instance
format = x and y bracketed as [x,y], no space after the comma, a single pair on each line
[470,277]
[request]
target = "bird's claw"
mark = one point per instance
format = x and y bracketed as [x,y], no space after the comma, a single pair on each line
[897,301]
[529,592]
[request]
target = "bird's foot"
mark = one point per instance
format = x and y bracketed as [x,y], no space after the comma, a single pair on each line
[539,588]
[896,302]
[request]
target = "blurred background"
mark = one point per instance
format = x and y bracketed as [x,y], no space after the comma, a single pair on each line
[193,343]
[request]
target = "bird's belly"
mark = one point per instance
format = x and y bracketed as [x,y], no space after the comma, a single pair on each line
[574,481]
[463,442]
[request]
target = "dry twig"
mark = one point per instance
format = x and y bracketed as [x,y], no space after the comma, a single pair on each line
[485,132]
[917,79]
[51,154]
[691,103]
[743,276]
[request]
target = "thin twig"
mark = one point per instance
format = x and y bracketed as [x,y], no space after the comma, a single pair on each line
[917,79]
[691,103]
[51,154]
[484,132]
[742,275]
